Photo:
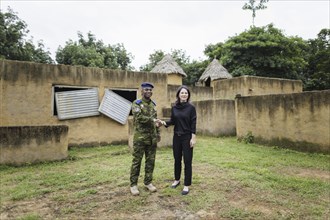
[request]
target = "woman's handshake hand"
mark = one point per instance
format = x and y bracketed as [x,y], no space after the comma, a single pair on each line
[160,123]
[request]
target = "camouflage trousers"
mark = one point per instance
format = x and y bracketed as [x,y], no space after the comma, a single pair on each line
[139,149]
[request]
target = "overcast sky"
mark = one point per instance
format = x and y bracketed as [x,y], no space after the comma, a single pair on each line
[146,26]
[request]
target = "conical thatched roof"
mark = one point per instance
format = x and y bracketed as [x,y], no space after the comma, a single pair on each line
[168,65]
[215,71]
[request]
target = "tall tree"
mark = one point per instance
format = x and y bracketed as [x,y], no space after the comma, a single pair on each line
[154,58]
[178,55]
[194,70]
[13,42]
[253,7]
[317,76]
[265,51]
[214,51]
[94,53]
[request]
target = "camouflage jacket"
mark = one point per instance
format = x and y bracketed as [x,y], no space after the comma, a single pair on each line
[144,113]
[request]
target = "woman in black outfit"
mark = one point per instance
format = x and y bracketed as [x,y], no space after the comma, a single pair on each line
[183,117]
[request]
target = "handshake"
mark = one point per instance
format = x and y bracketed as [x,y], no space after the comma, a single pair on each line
[159,122]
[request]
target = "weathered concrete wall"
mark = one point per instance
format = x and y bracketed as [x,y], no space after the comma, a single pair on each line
[252,86]
[300,121]
[27,99]
[26,95]
[198,93]
[174,79]
[216,117]
[29,144]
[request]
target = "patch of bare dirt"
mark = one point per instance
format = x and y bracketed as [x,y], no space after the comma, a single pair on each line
[106,204]
[310,173]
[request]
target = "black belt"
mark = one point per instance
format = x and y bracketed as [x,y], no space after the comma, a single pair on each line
[185,134]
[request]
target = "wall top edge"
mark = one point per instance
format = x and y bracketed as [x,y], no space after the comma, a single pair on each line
[287,94]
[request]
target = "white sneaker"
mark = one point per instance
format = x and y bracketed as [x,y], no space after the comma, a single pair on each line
[151,187]
[135,191]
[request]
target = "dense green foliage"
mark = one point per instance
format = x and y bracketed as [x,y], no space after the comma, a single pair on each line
[94,53]
[262,51]
[265,51]
[14,46]
[194,70]
[317,75]
[154,58]
[178,55]
[214,51]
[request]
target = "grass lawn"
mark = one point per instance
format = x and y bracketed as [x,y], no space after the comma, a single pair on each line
[231,180]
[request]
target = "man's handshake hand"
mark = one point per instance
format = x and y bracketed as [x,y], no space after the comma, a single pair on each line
[160,123]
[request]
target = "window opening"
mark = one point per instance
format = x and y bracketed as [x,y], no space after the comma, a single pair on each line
[130,95]
[75,102]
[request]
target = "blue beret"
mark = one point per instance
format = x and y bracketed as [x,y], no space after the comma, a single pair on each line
[147,85]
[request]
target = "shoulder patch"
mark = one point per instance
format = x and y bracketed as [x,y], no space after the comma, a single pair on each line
[136,108]
[139,101]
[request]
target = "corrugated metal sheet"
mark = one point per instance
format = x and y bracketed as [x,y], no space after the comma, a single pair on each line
[77,103]
[114,106]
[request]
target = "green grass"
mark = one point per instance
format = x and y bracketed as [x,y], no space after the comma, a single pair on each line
[231,180]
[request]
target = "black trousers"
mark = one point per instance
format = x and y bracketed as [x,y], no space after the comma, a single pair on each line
[181,148]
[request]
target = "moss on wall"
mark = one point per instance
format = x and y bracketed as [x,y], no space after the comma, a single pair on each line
[298,120]
[31,144]
[16,136]
[303,146]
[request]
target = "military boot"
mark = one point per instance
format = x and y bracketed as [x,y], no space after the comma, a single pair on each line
[135,190]
[151,187]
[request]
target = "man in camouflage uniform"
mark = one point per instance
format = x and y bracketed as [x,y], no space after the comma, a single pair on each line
[146,136]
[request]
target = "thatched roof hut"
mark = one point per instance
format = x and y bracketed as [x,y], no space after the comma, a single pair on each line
[214,71]
[168,65]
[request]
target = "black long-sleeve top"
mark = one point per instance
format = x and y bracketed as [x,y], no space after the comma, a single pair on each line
[183,117]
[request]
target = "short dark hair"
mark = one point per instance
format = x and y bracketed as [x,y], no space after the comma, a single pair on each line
[178,92]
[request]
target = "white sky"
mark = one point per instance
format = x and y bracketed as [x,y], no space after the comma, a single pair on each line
[146,26]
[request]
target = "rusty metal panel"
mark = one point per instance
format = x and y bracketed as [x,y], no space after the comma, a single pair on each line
[114,106]
[77,103]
